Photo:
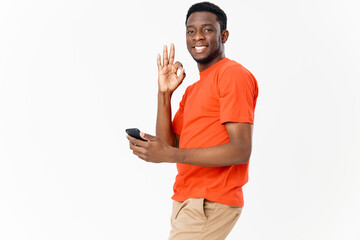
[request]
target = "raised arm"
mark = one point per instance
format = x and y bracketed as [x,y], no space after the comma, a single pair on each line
[168,81]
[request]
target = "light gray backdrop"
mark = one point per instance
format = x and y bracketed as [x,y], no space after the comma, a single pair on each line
[75,74]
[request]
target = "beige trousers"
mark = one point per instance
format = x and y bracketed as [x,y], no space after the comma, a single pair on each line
[200,219]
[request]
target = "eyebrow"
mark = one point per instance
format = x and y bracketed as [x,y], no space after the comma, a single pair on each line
[207,24]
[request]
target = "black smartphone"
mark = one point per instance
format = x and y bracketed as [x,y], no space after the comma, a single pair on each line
[135,133]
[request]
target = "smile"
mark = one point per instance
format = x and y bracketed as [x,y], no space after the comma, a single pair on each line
[200,49]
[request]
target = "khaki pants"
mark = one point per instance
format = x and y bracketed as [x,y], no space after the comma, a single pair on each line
[200,219]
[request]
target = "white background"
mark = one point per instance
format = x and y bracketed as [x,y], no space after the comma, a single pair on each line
[75,74]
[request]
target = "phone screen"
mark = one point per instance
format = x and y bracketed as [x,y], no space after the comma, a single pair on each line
[135,133]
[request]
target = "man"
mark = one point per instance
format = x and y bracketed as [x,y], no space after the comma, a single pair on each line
[210,137]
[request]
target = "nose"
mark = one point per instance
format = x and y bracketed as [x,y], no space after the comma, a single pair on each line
[198,35]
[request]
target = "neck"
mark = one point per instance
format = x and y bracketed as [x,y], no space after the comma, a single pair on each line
[204,66]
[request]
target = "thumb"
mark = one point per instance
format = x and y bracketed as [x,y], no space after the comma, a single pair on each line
[148,136]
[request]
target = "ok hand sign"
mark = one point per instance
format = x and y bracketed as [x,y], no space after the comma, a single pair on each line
[167,71]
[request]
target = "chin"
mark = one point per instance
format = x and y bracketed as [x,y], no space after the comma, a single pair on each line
[203,60]
[208,58]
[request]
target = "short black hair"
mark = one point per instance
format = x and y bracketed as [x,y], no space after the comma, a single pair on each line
[209,7]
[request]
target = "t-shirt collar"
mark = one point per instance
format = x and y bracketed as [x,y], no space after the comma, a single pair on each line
[216,65]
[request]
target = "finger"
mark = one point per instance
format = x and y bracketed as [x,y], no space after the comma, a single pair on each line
[158,58]
[177,66]
[172,54]
[137,142]
[148,137]
[165,56]
[131,145]
[137,149]
[143,157]
[181,76]
[139,154]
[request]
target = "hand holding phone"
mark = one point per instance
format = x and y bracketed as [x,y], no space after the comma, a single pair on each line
[135,133]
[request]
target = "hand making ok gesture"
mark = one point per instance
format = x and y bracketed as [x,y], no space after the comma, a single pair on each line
[168,78]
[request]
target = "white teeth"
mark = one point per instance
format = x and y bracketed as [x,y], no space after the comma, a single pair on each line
[199,48]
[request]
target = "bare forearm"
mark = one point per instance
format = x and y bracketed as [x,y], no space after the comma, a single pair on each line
[163,122]
[222,155]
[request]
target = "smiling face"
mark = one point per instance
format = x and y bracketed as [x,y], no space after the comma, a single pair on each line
[204,39]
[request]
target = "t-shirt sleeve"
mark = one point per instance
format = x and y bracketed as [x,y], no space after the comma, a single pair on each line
[238,92]
[177,122]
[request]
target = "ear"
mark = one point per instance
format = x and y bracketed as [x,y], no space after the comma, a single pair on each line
[224,36]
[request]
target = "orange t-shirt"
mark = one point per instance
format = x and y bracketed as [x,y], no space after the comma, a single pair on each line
[226,92]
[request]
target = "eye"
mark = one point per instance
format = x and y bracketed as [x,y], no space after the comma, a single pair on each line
[208,30]
[190,31]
